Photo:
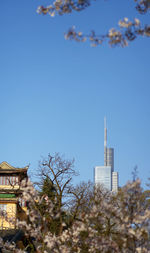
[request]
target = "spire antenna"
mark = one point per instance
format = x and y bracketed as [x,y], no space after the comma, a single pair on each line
[105,142]
[105,133]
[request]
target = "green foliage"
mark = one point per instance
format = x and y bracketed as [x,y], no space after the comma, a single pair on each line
[48,188]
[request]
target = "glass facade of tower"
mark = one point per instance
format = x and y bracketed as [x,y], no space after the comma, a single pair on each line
[114,181]
[103,176]
[109,157]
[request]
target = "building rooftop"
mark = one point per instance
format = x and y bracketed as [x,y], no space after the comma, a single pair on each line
[7,168]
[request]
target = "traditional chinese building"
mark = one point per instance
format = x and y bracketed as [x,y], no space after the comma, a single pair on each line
[11,203]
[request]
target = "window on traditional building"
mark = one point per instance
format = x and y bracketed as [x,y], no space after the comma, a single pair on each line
[8,180]
[3,207]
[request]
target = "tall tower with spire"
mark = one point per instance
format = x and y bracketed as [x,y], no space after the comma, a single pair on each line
[106,175]
[108,152]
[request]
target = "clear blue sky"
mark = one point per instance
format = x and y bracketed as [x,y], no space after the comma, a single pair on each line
[55,93]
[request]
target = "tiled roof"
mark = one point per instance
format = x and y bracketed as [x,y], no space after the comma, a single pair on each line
[4,166]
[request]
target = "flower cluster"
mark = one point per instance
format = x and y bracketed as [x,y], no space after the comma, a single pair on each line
[105,222]
[63,7]
[128,30]
[143,6]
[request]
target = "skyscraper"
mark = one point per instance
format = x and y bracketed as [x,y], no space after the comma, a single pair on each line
[105,174]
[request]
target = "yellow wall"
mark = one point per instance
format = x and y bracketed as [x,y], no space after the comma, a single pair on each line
[9,187]
[10,219]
